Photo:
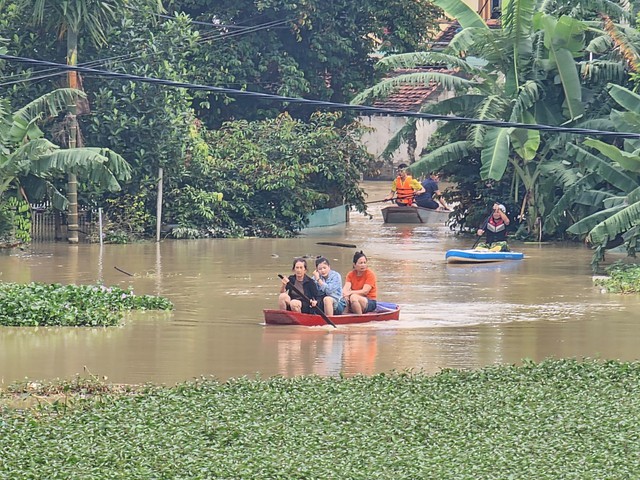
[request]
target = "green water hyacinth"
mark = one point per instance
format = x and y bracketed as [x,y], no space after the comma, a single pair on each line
[559,419]
[623,278]
[38,304]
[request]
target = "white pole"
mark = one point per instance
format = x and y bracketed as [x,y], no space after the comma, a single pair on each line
[159,205]
[100,224]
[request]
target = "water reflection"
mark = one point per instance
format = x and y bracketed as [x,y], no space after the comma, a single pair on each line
[452,315]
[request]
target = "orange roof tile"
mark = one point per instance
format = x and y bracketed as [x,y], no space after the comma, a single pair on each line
[410,96]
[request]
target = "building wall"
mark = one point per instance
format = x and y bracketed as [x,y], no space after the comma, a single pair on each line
[383,130]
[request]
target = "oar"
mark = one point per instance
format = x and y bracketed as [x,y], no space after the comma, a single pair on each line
[399,197]
[337,244]
[320,312]
[122,271]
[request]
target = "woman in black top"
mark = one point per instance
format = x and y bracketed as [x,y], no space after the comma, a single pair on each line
[289,299]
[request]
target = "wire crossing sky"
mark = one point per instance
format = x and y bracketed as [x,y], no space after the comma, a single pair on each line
[362,109]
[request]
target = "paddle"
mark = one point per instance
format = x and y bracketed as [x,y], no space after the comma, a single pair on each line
[122,271]
[320,312]
[379,201]
[337,244]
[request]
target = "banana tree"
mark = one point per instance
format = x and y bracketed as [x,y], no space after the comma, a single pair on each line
[524,72]
[30,162]
[617,214]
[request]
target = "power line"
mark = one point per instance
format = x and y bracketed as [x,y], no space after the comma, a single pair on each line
[363,109]
[132,56]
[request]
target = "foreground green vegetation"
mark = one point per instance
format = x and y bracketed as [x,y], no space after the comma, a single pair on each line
[37,304]
[622,279]
[557,419]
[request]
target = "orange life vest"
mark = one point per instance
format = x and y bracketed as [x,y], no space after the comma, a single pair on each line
[404,190]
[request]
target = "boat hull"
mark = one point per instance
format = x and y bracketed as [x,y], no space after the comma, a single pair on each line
[480,256]
[286,317]
[397,214]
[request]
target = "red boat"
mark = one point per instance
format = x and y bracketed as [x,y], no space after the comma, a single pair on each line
[286,317]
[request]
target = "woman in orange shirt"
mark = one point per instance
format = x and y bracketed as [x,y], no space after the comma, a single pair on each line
[360,290]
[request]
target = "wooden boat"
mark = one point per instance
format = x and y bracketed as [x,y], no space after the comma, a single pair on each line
[286,317]
[396,214]
[480,256]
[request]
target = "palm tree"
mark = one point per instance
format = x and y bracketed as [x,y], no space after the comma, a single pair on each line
[72,18]
[526,72]
[30,162]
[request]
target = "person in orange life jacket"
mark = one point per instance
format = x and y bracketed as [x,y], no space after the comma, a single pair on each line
[289,299]
[496,229]
[360,290]
[431,188]
[405,187]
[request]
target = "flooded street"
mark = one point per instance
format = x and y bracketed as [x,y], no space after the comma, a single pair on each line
[461,316]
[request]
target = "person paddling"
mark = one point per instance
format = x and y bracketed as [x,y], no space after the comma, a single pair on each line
[289,298]
[496,229]
[405,187]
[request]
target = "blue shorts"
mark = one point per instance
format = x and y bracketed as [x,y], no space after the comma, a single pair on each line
[339,306]
[371,306]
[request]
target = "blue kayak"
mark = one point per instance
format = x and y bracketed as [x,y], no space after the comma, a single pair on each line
[480,256]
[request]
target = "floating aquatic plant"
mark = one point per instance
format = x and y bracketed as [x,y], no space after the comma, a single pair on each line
[557,419]
[39,304]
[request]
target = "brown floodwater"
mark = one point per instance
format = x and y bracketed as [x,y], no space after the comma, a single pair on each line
[453,316]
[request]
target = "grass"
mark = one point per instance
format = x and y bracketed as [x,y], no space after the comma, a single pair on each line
[555,419]
[39,304]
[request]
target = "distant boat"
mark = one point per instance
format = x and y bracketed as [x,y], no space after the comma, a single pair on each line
[287,317]
[396,214]
[480,256]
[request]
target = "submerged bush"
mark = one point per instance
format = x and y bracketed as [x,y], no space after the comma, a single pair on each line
[38,304]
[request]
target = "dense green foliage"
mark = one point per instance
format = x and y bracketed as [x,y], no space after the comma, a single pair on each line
[557,419]
[623,278]
[37,304]
[314,49]
[273,173]
[548,63]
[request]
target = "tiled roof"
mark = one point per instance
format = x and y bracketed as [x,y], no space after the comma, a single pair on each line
[410,96]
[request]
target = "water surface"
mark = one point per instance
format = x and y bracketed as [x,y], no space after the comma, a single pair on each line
[452,315]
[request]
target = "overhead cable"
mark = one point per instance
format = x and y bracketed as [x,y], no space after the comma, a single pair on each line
[362,109]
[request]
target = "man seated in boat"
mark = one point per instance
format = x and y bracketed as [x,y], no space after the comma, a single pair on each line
[292,286]
[431,190]
[405,188]
[496,229]
[329,283]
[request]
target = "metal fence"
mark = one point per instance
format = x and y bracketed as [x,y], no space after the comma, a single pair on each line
[49,225]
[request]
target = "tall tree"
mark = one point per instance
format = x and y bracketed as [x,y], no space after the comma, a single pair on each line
[313,49]
[70,19]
